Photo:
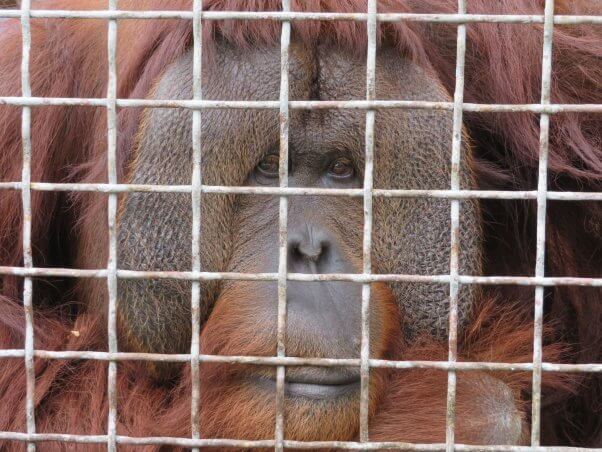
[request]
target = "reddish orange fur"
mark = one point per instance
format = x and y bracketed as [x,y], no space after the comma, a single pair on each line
[232,329]
[413,413]
[68,60]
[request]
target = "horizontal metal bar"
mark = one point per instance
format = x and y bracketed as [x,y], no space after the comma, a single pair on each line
[422,447]
[297,191]
[301,16]
[307,277]
[349,445]
[547,281]
[297,361]
[359,278]
[485,366]
[301,104]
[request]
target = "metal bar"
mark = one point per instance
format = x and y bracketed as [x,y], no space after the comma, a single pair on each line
[348,445]
[297,361]
[112,227]
[300,191]
[195,300]
[284,120]
[367,231]
[303,16]
[357,278]
[450,414]
[542,187]
[375,104]
[29,345]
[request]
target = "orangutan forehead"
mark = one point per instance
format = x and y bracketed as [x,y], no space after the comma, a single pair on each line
[320,73]
[317,73]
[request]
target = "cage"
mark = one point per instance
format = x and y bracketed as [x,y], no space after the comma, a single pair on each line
[197,189]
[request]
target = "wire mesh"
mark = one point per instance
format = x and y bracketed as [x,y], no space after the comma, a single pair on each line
[197,189]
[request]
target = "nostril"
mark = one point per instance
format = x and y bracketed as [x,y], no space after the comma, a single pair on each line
[324,249]
[295,251]
[310,251]
[307,247]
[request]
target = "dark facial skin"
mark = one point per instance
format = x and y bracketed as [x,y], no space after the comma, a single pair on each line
[240,233]
[324,318]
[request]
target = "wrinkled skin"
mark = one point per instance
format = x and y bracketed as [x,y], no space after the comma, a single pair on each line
[407,321]
[240,233]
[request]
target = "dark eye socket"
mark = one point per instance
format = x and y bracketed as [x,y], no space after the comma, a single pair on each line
[269,165]
[341,168]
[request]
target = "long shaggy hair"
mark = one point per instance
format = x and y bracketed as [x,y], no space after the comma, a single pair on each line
[503,65]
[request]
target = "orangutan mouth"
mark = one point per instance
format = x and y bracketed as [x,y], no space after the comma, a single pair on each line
[316,383]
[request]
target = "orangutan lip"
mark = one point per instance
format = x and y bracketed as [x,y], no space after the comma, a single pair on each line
[316,385]
[319,391]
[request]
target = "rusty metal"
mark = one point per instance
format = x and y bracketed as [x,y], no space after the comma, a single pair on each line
[542,188]
[284,119]
[296,361]
[295,16]
[546,281]
[33,101]
[112,227]
[452,343]
[367,231]
[196,183]
[26,228]
[316,445]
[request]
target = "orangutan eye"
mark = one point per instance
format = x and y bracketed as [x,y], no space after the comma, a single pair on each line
[341,168]
[268,167]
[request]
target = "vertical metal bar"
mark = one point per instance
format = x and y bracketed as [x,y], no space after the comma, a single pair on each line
[450,416]
[284,119]
[197,57]
[112,220]
[367,232]
[26,203]
[542,188]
